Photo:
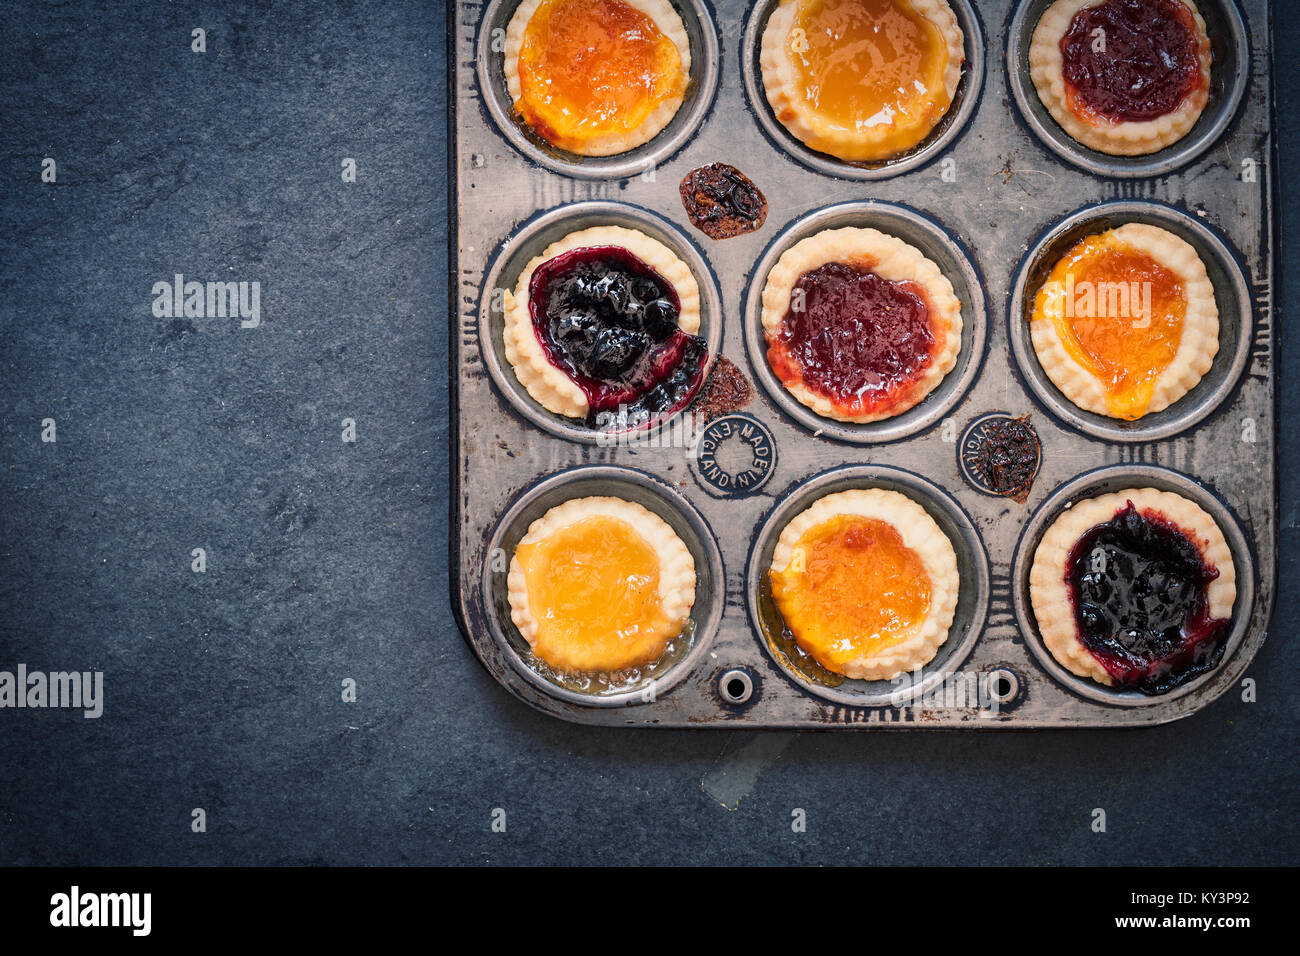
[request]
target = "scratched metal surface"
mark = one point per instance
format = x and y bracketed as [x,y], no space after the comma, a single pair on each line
[1009,190]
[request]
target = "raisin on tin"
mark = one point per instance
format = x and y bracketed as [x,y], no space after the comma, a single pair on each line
[722,201]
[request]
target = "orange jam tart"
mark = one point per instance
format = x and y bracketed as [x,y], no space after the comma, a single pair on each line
[597,77]
[866,583]
[862,79]
[857,590]
[600,585]
[1126,322]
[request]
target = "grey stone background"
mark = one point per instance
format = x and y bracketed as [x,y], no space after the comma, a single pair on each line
[328,560]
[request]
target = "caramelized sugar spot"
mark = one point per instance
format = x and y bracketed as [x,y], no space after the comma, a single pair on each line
[589,68]
[593,587]
[853,589]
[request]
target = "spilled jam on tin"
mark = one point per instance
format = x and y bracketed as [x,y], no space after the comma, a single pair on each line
[1148,63]
[609,321]
[858,339]
[1139,587]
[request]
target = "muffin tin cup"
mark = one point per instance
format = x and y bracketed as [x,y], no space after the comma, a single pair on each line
[1228,78]
[972,596]
[1102,481]
[940,138]
[1232,293]
[686,652]
[705,73]
[938,245]
[527,242]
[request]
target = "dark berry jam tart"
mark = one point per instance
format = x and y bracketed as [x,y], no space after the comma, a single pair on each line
[1134,590]
[860,326]
[602,327]
[1123,77]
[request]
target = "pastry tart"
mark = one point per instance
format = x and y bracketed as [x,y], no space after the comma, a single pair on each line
[862,80]
[860,326]
[1126,322]
[600,585]
[603,324]
[866,583]
[1123,77]
[1134,590]
[597,77]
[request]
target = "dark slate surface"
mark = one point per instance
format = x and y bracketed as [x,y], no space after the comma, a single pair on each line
[328,560]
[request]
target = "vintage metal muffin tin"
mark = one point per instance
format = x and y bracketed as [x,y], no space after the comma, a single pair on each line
[993,193]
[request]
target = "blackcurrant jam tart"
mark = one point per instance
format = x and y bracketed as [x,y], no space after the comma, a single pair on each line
[1134,590]
[861,80]
[600,585]
[1126,323]
[860,326]
[866,583]
[597,77]
[1123,77]
[601,327]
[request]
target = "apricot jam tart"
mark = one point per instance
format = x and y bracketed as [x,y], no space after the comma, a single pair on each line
[1123,77]
[862,80]
[596,77]
[1134,590]
[600,585]
[601,326]
[1126,323]
[860,326]
[866,583]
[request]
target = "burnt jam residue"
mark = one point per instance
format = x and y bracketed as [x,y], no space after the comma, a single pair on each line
[610,322]
[858,337]
[1150,63]
[1002,455]
[727,390]
[1139,589]
[722,201]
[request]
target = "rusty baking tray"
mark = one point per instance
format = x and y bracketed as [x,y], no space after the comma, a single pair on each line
[989,197]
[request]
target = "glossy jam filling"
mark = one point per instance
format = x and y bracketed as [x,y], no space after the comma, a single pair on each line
[1139,590]
[1119,315]
[854,338]
[609,321]
[591,68]
[1131,60]
[593,588]
[871,66]
[852,590]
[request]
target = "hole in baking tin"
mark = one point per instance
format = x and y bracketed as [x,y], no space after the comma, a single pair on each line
[736,686]
[947,132]
[1228,77]
[702,35]
[1231,293]
[1002,685]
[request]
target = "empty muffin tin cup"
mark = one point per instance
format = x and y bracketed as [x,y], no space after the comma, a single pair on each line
[1103,481]
[972,595]
[703,36]
[940,247]
[683,653]
[1228,77]
[940,138]
[1231,294]
[527,242]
